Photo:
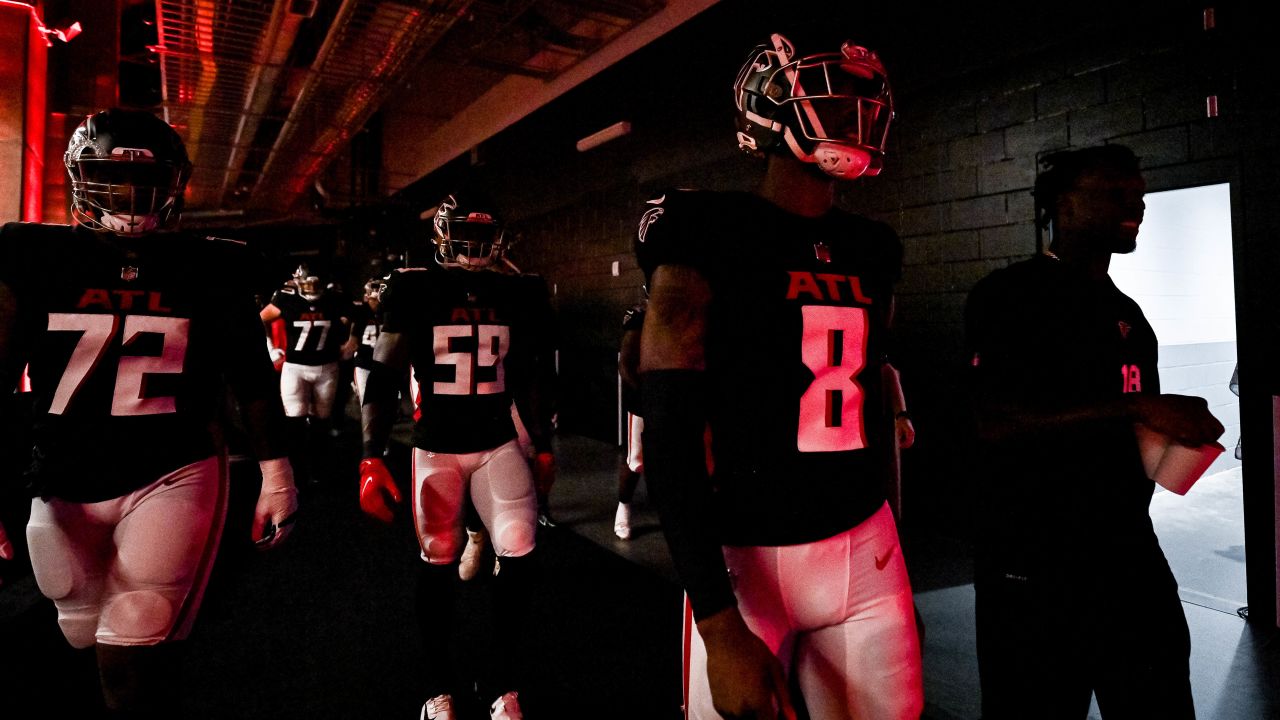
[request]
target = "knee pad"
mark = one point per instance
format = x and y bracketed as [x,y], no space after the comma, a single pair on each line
[52,561]
[60,578]
[441,548]
[137,617]
[513,533]
[636,465]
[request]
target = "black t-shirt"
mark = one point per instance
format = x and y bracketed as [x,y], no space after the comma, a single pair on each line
[475,339]
[128,344]
[1045,336]
[314,327]
[795,340]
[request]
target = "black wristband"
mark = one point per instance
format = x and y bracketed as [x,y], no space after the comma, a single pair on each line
[902,415]
[674,405]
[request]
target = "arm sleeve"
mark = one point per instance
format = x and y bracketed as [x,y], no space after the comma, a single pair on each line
[674,404]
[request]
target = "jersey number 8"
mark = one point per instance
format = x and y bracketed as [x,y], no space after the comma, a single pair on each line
[834,348]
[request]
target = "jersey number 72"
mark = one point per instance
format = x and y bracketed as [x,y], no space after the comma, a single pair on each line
[96,333]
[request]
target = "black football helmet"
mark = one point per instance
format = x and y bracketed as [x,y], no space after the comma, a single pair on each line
[831,109]
[308,284]
[128,172]
[373,288]
[467,236]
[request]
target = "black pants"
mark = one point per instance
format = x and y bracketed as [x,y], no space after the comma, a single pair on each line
[1048,640]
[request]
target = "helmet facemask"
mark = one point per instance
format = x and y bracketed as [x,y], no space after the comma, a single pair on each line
[307,284]
[128,193]
[830,109]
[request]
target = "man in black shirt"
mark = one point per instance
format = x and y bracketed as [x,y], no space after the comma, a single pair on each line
[1073,592]
[130,330]
[768,320]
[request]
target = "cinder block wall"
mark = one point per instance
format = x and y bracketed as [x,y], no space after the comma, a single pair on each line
[977,104]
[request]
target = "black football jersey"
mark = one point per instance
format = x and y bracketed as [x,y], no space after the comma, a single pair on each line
[1043,335]
[129,345]
[370,324]
[475,338]
[314,327]
[796,336]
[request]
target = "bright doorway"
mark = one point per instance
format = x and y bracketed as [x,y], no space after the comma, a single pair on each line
[1182,275]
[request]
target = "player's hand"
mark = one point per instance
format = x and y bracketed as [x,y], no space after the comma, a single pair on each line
[349,348]
[6,550]
[1185,419]
[376,484]
[544,472]
[277,357]
[277,504]
[746,678]
[906,432]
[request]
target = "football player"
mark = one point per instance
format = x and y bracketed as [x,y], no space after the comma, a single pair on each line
[768,318]
[131,330]
[367,328]
[318,328]
[633,465]
[476,341]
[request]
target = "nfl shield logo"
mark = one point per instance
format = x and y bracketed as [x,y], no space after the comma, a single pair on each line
[822,252]
[1124,330]
[128,273]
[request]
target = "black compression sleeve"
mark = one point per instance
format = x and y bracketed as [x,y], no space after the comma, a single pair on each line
[381,404]
[674,404]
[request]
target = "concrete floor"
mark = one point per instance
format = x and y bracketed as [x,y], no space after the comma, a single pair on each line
[323,628]
[1235,673]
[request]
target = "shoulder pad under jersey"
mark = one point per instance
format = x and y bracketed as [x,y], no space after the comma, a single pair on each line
[676,228]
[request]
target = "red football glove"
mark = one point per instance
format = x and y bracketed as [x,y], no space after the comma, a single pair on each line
[376,484]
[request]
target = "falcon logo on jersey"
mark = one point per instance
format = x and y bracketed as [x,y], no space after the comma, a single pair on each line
[128,273]
[1124,330]
[650,217]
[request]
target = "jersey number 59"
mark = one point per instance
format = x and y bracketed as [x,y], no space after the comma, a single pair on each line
[492,342]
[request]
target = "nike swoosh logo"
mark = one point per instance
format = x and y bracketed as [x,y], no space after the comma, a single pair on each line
[881,563]
[657,201]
